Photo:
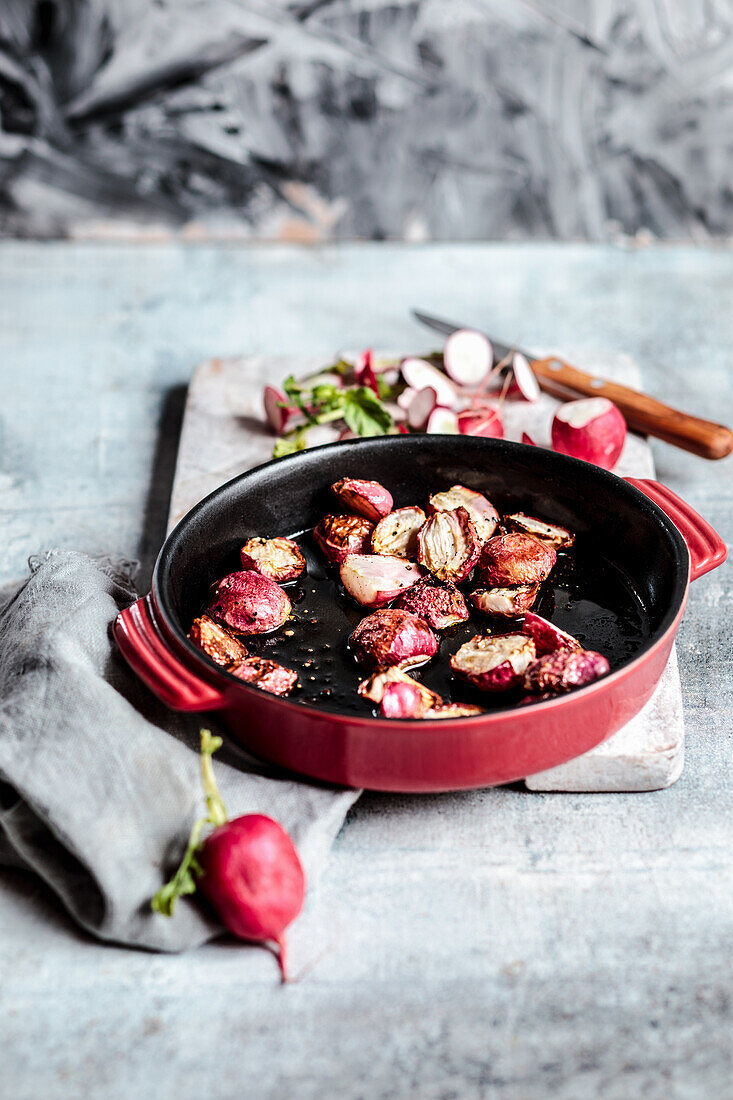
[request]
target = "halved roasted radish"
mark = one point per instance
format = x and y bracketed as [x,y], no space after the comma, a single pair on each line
[373,580]
[592,429]
[524,377]
[494,663]
[505,603]
[373,688]
[508,560]
[442,422]
[366,498]
[482,512]
[392,637]
[438,602]
[549,533]
[448,545]
[216,641]
[564,669]
[339,536]
[467,357]
[482,422]
[418,374]
[396,535]
[278,410]
[279,559]
[265,675]
[546,636]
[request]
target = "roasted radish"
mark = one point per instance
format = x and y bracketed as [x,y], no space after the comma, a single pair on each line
[563,670]
[592,429]
[265,675]
[339,536]
[366,498]
[373,688]
[396,535]
[448,545]
[249,603]
[467,357]
[438,602]
[482,512]
[393,637]
[216,642]
[453,710]
[546,636]
[494,663]
[508,560]
[279,559]
[506,603]
[549,533]
[402,700]
[373,580]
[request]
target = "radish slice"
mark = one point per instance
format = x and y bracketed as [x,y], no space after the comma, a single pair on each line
[421,407]
[528,440]
[483,422]
[277,410]
[406,398]
[418,374]
[524,376]
[468,357]
[442,422]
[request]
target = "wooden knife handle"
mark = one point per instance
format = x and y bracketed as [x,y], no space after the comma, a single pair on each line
[642,413]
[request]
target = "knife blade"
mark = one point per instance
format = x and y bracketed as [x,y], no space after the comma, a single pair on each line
[642,413]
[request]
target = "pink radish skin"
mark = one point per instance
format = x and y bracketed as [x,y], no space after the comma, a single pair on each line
[402,700]
[442,422]
[277,410]
[482,422]
[592,429]
[418,374]
[524,377]
[527,439]
[467,357]
[254,879]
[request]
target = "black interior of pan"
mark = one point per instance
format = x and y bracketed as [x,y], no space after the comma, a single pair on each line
[616,589]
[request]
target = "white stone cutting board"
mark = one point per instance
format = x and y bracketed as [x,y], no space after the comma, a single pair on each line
[224,434]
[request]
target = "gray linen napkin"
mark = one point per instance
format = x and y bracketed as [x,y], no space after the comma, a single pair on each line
[99,783]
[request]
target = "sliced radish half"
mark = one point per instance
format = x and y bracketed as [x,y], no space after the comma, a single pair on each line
[421,407]
[483,422]
[442,422]
[524,376]
[468,357]
[277,410]
[418,374]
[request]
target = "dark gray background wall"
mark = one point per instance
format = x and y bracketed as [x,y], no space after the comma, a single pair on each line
[338,118]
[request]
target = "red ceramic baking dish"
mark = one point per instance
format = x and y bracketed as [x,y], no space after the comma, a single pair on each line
[623,591]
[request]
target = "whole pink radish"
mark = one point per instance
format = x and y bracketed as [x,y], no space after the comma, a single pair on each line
[248,869]
[592,429]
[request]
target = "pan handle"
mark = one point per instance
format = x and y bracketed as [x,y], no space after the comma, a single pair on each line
[707,548]
[159,669]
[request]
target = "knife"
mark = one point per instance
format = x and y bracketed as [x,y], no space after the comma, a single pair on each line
[642,413]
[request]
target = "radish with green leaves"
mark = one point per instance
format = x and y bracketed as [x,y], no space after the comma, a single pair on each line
[248,868]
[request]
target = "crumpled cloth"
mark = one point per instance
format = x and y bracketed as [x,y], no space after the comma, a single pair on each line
[99,782]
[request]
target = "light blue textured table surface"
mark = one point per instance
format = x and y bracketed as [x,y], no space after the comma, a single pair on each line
[550,945]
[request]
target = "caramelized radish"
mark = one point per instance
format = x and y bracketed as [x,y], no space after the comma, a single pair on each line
[373,580]
[468,357]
